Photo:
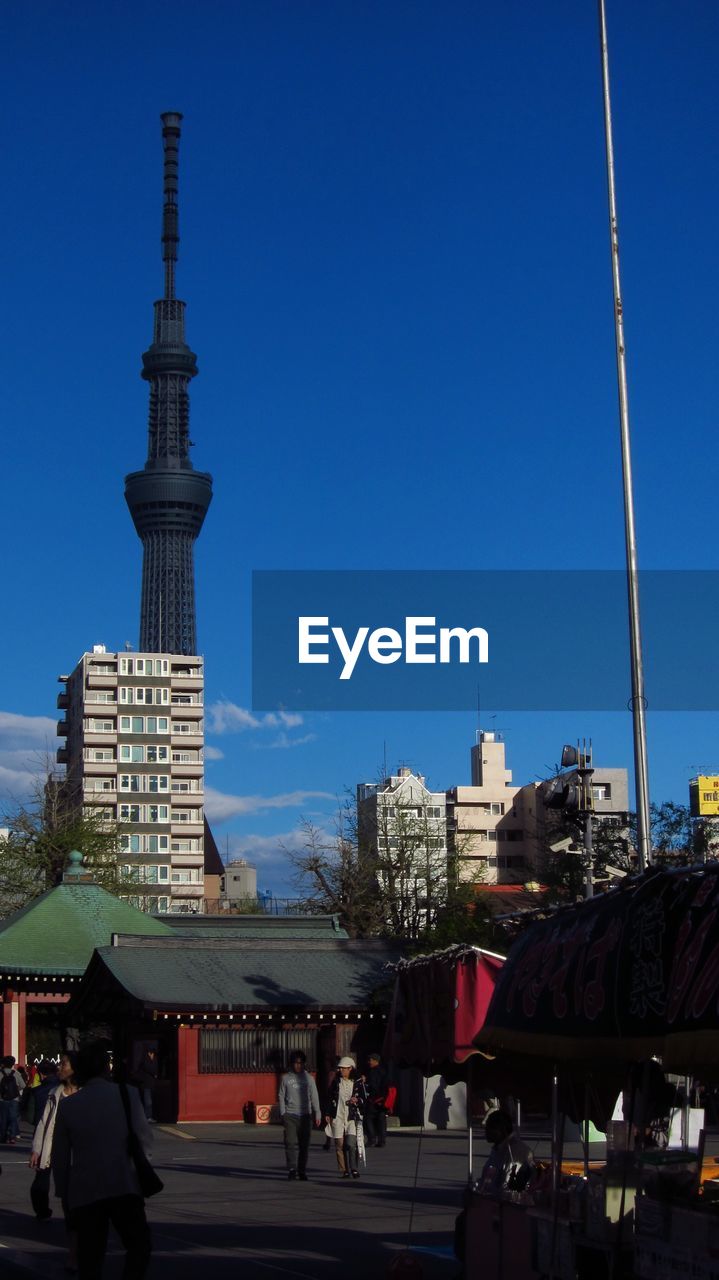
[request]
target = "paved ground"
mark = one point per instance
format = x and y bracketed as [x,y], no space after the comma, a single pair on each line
[228,1208]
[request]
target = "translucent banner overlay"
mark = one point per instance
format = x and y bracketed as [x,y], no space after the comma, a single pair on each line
[527,640]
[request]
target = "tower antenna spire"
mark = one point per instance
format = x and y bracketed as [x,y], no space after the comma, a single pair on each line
[170,211]
[168,499]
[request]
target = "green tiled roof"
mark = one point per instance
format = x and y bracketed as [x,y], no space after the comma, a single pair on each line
[256,926]
[188,975]
[58,932]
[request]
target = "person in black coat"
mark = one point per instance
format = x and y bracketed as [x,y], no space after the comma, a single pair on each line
[346,1107]
[375,1121]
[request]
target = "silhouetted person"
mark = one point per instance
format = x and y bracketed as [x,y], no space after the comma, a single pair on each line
[94,1173]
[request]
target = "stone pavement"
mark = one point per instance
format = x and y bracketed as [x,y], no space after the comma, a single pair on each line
[228,1209]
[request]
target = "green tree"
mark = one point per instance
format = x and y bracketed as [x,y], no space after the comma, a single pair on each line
[677,839]
[41,835]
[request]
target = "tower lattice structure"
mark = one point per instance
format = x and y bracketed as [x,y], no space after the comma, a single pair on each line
[168,499]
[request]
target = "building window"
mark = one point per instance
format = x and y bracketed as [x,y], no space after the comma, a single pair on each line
[103,755]
[101,726]
[223,1050]
[602,790]
[158,755]
[140,724]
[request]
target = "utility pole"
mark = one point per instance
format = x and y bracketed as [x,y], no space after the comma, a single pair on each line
[573,793]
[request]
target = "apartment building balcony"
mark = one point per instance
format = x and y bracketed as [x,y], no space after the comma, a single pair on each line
[187,768]
[187,890]
[62,755]
[186,737]
[62,728]
[187,860]
[100,768]
[187,681]
[187,829]
[184,710]
[63,701]
[101,680]
[100,738]
[95,780]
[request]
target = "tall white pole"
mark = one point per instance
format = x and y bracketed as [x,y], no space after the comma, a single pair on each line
[638,700]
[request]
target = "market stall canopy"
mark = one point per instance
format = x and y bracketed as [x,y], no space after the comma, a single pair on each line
[629,974]
[439,1004]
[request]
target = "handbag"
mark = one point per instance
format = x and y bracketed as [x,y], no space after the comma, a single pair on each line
[149,1181]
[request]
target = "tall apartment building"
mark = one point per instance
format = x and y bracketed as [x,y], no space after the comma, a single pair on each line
[499,831]
[134,734]
[487,825]
[404,824]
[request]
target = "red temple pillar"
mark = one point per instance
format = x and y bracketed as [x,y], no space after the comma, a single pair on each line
[14,1024]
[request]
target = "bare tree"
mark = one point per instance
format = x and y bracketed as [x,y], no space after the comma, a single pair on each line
[389,877]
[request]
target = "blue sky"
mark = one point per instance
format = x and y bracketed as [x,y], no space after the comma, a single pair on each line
[394,255]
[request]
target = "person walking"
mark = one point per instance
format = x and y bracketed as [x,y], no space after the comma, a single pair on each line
[94,1173]
[375,1119]
[37,1094]
[12,1087]
[58,1084]
[147,1075]
[347,1106]
[299,1104]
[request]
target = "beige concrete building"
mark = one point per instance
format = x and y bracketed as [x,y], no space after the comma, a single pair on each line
[486,825]
[134,738]
[239,883]
[499,831]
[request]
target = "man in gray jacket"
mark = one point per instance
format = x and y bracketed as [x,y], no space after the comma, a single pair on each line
[94,1173]
[299,1103]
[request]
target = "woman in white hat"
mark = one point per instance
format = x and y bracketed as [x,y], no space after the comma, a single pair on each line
[347,1101]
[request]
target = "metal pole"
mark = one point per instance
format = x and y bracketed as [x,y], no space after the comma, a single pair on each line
[588,857]
[638,700]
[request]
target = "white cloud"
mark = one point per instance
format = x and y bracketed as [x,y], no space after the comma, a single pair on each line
[283,741]
[25,730]
[220,806]
[227,717]
[214,753]
[27,746]
[265,849]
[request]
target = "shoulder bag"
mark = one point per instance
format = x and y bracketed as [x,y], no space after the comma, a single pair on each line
[149,1181]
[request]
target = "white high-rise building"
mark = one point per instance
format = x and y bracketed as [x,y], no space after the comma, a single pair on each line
[134,734]
[402,827]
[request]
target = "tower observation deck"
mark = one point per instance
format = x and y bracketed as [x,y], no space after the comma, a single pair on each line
[168,499]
